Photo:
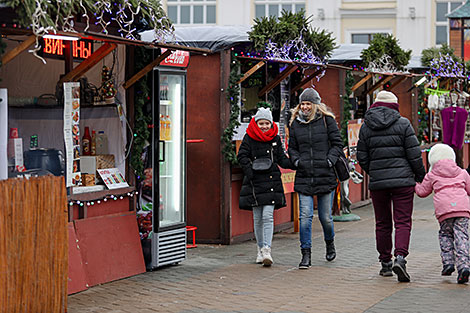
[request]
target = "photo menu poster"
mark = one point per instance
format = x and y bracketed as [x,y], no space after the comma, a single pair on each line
[113,178]
[72,133]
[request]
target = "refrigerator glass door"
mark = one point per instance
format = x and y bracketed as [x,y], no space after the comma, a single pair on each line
[171,148]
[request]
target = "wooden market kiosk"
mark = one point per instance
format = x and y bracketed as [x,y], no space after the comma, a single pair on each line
[213,183]
[104,242]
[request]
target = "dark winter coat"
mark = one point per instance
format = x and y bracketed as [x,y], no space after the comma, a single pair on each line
[309,149]
[262,188]
[388,150]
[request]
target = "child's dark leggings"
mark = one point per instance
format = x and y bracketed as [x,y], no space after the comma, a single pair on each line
[453,239]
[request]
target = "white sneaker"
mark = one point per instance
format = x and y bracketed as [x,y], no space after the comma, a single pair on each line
[259,257]
[267,259]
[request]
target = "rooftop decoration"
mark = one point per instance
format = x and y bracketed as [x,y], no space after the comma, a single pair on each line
[427,55]
[290,38]
[446,66]
[48,16]
[381,46]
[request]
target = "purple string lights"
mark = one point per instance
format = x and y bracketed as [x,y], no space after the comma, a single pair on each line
[445,66]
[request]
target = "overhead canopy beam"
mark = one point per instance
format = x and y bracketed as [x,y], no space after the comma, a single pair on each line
[251,71]
[305,80]
[10,55]
[91,61]
[397,82]
[146,69]
[380,83]
[361,82]
[280,77]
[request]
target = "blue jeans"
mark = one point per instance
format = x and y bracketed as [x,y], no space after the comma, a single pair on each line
[263,219]
[306,215]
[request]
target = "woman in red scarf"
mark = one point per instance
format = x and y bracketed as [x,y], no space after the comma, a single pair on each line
[262,192]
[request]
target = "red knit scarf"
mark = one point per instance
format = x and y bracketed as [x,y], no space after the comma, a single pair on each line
[257,134]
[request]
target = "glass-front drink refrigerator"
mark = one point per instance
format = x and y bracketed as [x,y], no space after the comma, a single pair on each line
[163,194]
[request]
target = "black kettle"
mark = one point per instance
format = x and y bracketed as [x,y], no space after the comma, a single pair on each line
[48,159]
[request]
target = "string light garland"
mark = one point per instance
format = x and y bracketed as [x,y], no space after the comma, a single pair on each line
[382,65]
[104,199]
[47,16]
[445,66]
[295,50]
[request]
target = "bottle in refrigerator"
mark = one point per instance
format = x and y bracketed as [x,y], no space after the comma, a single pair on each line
[162,127]
[168,128]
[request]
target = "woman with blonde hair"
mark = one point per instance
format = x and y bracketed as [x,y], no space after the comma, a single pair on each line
[314,147]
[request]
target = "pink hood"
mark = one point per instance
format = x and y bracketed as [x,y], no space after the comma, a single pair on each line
[451,186]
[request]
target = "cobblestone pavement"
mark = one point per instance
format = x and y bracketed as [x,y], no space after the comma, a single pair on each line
[218,279]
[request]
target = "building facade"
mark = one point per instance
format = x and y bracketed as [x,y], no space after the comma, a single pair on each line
[418,24]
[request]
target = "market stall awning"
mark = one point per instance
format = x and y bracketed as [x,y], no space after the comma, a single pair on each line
[214,38]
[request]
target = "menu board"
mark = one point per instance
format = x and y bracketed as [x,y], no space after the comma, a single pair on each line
[72,133]
[113,178]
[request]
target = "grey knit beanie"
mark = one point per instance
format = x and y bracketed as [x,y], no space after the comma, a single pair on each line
[264,114]
[310,95]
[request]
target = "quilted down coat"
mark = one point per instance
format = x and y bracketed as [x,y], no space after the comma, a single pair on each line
[262,187]
[388,150]
[311,145]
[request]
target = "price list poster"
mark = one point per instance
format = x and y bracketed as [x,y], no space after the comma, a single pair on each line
[72,133]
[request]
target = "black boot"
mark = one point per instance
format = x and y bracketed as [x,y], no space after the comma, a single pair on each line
[386,269]
[306,258]
[330,250]
[399,268]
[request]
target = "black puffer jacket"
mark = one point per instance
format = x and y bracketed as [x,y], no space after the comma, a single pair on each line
[262,188]
[388,150]
[309,150]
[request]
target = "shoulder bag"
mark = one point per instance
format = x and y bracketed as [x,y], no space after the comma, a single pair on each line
[341,166]
[262,164]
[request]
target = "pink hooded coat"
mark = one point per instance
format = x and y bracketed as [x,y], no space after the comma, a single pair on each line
[451,186]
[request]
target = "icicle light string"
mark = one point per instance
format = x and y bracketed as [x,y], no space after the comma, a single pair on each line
[46,16]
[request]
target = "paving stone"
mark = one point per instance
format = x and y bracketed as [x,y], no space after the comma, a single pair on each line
[221,279]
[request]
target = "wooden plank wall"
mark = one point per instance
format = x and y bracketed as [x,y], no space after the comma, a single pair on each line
[33,245]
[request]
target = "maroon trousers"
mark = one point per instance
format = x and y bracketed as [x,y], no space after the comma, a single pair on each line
[386,217]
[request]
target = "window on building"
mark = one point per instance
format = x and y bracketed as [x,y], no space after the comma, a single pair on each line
[442,9]
[195,12]
[362,38]
[275,7]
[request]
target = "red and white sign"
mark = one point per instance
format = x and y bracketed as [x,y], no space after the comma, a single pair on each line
[177,58]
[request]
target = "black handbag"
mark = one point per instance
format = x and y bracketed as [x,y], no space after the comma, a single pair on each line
[261,164]
[341,166]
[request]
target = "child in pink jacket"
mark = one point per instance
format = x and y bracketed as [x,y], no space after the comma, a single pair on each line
[451,186]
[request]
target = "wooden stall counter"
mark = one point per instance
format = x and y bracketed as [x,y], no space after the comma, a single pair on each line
[104,238]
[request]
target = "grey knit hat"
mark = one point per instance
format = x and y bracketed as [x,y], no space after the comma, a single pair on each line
[310,95]
[264,114]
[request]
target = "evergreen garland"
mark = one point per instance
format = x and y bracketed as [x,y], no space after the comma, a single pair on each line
[233,92]
[348,84]
[141,129]
[423,117]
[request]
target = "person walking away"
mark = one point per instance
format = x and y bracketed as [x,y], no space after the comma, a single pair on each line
[262,190]
[451,187]
[389,152]
[314,147]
